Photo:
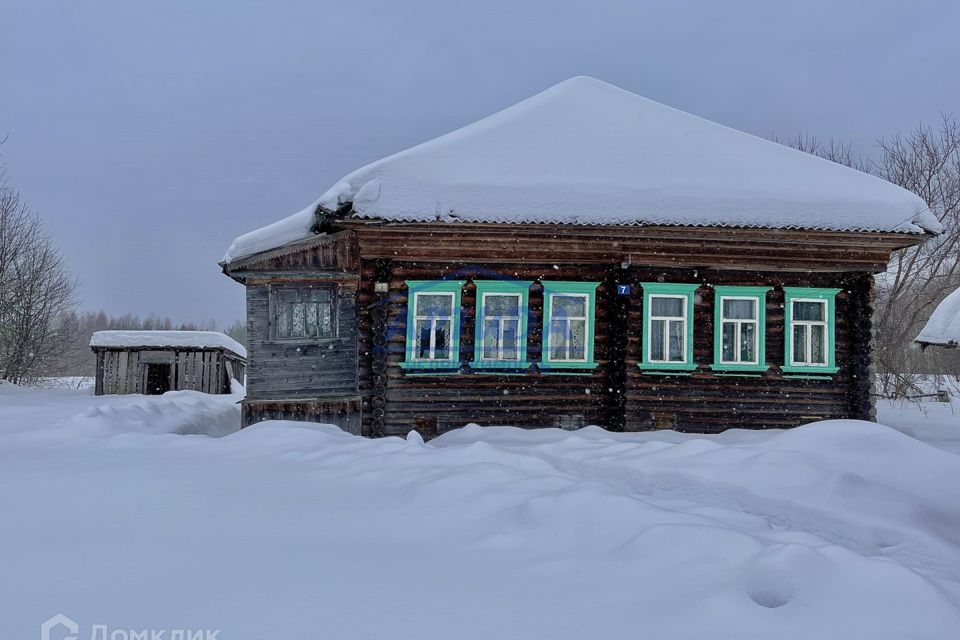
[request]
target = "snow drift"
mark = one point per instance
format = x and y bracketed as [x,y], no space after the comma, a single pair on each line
[286,530]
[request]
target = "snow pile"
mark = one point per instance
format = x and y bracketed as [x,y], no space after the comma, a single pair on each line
[587,152]
[185,339]
[66,416]
[836,530]
[943,327]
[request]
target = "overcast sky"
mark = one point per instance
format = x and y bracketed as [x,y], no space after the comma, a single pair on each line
[150,134]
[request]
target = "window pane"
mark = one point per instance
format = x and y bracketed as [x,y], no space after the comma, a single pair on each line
[298,321]
[434,305]
[305,312]
[312,319]
[748,352]
[501,305]
[510,339]
[578,340]
[656,340]
[799,343]
[423,339]
[666,307]
[326,320]
[818,352]
[490,339]
[441,347]
[740,309]
[558,340]
[676,341]
[565,306]
[809,311]
[283,320]
[727,346]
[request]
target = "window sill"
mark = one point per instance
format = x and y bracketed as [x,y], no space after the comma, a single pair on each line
[666,367]
[559,366]
[513,365]
[806,376]
[448,365]
[815,371]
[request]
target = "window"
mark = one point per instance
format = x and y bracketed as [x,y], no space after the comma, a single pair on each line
[739,328]
[433,324]
[568,312]
[304,313]
[810,330]
[500,340]
[667,326]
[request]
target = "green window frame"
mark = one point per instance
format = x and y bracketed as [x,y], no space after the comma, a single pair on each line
[759,297]
[434,324]
[669,290]
[800,332]
[553,290]
[502,288]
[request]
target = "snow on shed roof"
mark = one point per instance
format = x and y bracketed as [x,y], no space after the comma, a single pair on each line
[943,327]
[587,152]
[189,339]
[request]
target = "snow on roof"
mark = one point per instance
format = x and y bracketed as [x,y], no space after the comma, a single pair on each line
[943,327]
[587,152]
[189,339]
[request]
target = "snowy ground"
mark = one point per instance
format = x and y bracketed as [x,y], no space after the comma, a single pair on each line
[834,530]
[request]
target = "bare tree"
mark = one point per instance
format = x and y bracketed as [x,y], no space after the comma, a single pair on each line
[36,291]
[925,161]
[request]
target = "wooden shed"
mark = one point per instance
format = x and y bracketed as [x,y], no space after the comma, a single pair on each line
[154,362]
[587,256]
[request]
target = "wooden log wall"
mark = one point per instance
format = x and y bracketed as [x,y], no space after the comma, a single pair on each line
[434,403]
[712,401]
[617,395]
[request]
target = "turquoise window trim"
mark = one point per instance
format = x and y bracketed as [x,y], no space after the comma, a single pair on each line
[829,296]
[760,295]
[551,288]
[514,287]
[415,287]
[688,292]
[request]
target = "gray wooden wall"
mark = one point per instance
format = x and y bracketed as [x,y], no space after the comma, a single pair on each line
[297,369]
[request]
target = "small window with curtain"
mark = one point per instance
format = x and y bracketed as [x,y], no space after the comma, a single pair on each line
[810,341]
[667,327]
[433,324]
[569,309]
[304,313]
[739,327]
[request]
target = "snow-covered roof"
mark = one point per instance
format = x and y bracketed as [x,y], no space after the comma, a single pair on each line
[587,152]
[943,327]
[188,339]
